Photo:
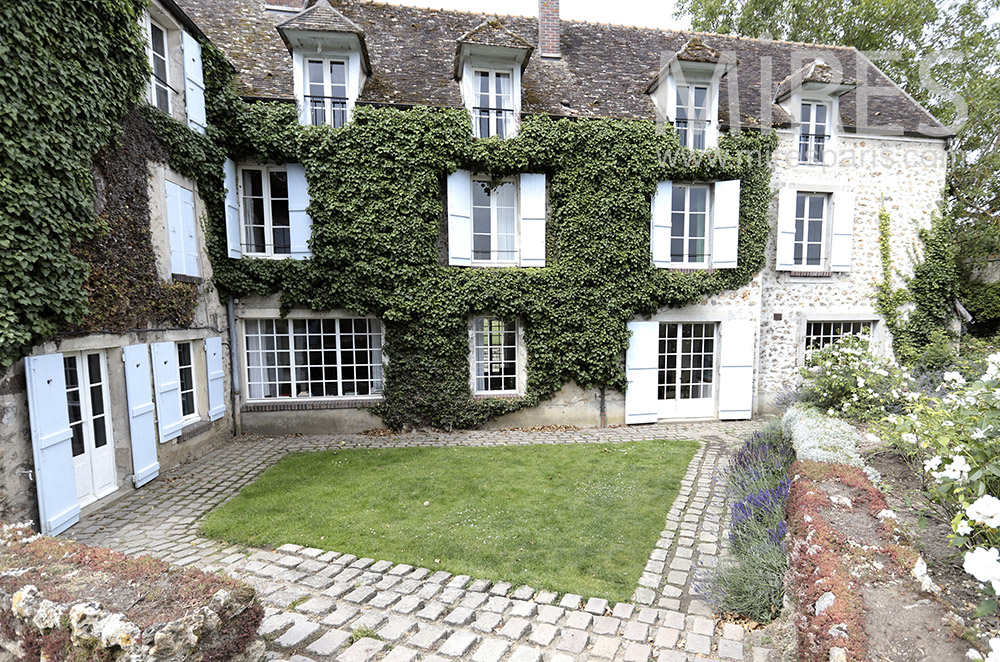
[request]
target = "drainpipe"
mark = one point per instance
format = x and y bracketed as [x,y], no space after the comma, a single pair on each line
[234,391]
[604,413]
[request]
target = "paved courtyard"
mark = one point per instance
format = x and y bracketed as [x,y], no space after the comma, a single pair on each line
[316,598]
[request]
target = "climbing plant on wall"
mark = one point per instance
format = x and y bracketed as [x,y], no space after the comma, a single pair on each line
[70,72]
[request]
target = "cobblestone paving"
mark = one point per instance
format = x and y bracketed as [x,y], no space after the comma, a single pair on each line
[315,599]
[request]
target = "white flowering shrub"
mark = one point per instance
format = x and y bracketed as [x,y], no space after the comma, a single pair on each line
[823,438]
[955,433]
[847,380]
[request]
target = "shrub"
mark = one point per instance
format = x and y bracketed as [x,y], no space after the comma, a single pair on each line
[847,380]
[824,439]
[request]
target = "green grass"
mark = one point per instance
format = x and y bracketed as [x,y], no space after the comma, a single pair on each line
[569,518]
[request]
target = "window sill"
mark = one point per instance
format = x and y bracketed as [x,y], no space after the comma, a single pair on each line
[497,396]
[184,278]
[194,428]
[810,274]
[690,269]
[306,404]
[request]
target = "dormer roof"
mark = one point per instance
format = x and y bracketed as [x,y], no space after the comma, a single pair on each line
[696,50]
[695,56]
[491,37]
[815,75]
[319,17]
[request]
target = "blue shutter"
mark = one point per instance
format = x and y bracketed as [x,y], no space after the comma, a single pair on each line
[460,218]
[300,225]
[726,224]
[51,445]
[194,85]
[532,220]
[141,414]
[641,371]
[233,226]
[736,362]
[842,240]
[785,243]
[167,385]
[216,378]
[659,225]
[175,230]
[189,238]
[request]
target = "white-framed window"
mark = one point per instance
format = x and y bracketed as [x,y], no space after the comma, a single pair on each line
[814,131]
[689,232]
[495,356]
[493,103]
[326,91]
[811,230]
[819,334]
[159,90]
[692,119]
[313,357]
[686,361]
[185,368]
[264,210]
[494,222]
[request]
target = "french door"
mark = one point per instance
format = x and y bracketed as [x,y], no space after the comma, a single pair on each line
[686,376]
[88,401]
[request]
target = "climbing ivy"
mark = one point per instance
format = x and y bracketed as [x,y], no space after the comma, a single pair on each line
[70,72]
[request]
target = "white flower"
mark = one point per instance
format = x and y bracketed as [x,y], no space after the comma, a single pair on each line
[932,464]
[861,382]
[983,564]
[958,469]
[994,654]
[985,510]
[880,371]
[954,377]
[980,433]
[909,437]
[963,528]
[872,439]
[948,424]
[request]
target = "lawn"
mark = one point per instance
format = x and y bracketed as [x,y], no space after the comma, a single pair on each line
[577,518]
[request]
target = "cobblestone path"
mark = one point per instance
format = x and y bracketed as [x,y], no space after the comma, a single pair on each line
[315,598]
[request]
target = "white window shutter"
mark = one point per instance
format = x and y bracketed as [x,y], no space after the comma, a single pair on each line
[194,83]
[671,97]
[175,232]
[843,231]
[167,385]
[51,443]
[233,226]
[726,225]
[460,218]
[141,414]
[216,378]
[785,260]
[532,220]
[736,362]
[641,370]
[298,201]
[189,237]
[659,227]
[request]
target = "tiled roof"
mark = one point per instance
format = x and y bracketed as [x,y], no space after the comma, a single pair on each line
[320,16]
[493,33]
[604,70]
[816,71]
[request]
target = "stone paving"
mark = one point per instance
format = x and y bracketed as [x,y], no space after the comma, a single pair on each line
[315,600]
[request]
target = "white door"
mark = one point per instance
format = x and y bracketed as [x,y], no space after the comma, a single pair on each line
[88,403]
[686,375]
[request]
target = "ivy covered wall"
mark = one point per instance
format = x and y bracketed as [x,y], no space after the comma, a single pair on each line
[377,189]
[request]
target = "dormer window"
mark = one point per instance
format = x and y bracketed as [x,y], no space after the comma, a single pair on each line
[814,130]
[493,114]
[159,87]
[692,119]
[326,91]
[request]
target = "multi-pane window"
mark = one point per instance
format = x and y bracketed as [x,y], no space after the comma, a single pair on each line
[264,201]
[810,229]
[495,355]
[313,358]
[160,88]
[689,224]
[185,365]
[494,222]
[813,132]
[85,397]
[493,109]
[692,115]
[821,334]
[326,91]
[687,361]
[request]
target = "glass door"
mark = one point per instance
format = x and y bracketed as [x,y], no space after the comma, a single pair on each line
[686,379]
[88,402]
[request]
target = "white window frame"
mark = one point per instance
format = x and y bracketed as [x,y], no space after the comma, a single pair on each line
[519,359]
[685,236]
[494,234]
[328,99]
[193,390]
[833,336]
[807,133]
[377,383]
[154,82]
[266,171]
[687,138]
[824,243]
[508,115]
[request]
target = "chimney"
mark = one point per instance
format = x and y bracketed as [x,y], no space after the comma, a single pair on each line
[548,29]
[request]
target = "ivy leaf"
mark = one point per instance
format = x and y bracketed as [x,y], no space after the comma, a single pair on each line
[986,607]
